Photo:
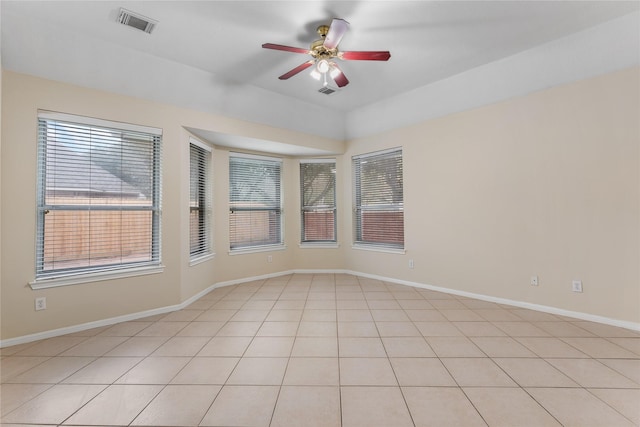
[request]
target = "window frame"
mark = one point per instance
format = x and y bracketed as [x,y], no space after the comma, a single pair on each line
[318,208]
[359,242]
[278,242]
[45,278]
[204,202]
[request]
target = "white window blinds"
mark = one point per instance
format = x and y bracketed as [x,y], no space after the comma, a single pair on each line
[98,195]
[379,217]
[318,200]
[255,209]
[199,199]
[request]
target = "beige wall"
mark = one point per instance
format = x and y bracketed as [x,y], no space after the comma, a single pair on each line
[230,267]
[546,184]
[0,168]
[22,96]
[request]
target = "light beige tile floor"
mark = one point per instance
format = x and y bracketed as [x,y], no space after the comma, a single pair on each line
[329,350]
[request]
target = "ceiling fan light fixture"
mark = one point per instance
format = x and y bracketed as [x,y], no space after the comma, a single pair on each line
[316,74]
[323,66]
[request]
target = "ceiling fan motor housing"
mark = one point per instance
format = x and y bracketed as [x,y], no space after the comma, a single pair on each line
[323,30]
[318,50]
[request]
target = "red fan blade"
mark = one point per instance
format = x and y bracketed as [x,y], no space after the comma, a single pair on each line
[337,29]
[296,70]
[340,79]
[285,48]
[379,55]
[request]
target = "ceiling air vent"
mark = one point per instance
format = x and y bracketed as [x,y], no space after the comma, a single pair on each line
[137,21]
[327,90]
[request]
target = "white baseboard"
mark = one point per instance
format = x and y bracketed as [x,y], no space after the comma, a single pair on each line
[168,309]
[129,317]
[521,304]
[85,326]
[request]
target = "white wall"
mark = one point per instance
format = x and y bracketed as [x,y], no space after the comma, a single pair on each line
[611,46]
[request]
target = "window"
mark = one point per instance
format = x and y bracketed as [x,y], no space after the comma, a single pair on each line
[379,217]
[199,199]
[318,200]
[255,209]
[98,195]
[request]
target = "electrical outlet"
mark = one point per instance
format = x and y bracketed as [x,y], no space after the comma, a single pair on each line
[534,280]
[41,303]
[576,286]
[269,258]
[411,263]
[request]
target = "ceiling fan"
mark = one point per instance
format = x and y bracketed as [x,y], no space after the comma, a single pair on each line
[325,50]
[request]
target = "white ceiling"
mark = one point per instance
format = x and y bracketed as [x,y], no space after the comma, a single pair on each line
[207,54]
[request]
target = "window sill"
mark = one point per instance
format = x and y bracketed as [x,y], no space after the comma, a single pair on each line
[256,249]
[201,258]
[78,279]
[319,245]
[372,248]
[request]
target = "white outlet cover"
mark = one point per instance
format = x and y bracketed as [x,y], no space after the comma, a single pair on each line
[576,286]
[41,303]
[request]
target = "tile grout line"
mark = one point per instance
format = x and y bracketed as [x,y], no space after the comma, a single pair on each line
[309,287]
[284,374]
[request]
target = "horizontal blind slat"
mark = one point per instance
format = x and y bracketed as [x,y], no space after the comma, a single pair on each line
[98,197]
[199,199]
[255,210]
[379,199]
[318,201]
